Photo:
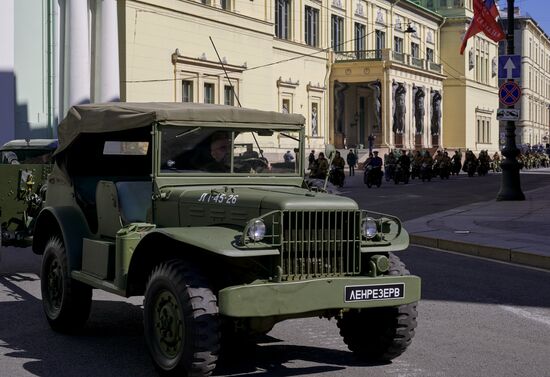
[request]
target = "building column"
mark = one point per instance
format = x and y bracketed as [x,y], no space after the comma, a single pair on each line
[109,77]
[7,72]
[78,53]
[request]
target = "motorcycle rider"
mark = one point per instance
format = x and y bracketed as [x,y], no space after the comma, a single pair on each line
[338,165]
[389,164]
[456,163]
[320,167]
[373,169]
[426,167]
[484,162]
[470,159]
[404,162]
[437,162]
[311,159]
[416,163]
[376,161]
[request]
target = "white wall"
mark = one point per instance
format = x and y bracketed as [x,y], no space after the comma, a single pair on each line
[7,80]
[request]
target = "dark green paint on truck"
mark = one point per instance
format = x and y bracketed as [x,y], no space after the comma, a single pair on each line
[132,209]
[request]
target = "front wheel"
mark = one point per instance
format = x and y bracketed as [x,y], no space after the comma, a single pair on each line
[66,302]
[181,323]
[380,334]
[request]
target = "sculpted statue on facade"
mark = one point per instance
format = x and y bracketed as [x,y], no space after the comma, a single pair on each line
[436,112]
[419,110]
[400,109]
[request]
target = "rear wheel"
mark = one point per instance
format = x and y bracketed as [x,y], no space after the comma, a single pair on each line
[66,302]
[380,334]
[181,321]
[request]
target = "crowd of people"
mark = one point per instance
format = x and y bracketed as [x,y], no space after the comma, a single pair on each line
[422,164]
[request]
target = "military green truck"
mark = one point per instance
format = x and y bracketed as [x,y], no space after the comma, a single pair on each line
[24,166]
[194,207]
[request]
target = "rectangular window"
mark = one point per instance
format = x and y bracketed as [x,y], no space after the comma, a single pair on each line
[312,26]
[415,50]
[429,54]
[337,41]
[398,44]
[479,130]
[229,97]
[380,40]
[286,106]
[360,43]
[225,4]
[282,19]
[209,93]
[186,91]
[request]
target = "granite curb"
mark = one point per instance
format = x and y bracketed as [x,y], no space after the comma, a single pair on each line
[532,259]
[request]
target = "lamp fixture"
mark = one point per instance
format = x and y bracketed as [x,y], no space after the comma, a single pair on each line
[410,29]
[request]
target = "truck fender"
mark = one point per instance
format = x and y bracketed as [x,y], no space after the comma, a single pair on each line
[70,224]
[218,240]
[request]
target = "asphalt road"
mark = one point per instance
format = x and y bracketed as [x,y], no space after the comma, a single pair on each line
[476,318]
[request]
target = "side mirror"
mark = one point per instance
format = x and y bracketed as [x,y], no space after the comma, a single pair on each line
[329,151]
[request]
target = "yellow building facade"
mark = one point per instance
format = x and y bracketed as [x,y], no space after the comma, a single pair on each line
[353,68]
[471,87]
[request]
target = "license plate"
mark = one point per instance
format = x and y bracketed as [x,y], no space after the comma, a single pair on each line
[375,292]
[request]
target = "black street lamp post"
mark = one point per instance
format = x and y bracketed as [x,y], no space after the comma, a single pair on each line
[510,187]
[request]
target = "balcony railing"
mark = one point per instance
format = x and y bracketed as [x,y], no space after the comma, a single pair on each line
[343,56]
[434,67]
[416,62]
[388,55]
[398,56]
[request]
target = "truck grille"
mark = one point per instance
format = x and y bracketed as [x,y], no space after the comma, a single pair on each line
[319,243]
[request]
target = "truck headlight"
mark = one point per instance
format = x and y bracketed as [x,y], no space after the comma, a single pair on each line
[369,228]
[256,230]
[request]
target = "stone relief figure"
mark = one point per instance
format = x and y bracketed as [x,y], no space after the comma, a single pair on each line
[419,110]
[314,130]
[399,110]
[376,103]
[471,60]
[339,105]
[436,112]
[494,67]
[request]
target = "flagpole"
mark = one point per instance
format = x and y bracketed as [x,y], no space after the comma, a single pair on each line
[510,188]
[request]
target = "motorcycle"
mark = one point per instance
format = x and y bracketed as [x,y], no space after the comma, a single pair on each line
[455,167]
[470,168]
[401,174]
[372,176]
[425,172]
[444,170]
[482,169]
[389,171]
[337,177]
[415,170]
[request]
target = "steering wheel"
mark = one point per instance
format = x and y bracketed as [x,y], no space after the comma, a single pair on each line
[255,163]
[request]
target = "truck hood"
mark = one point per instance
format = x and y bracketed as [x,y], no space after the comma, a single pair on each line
[236,205]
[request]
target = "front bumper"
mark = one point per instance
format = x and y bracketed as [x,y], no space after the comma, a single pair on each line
[294,297]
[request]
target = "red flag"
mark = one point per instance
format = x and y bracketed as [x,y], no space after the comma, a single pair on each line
[485,14]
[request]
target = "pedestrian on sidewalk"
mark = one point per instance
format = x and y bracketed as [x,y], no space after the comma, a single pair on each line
[352,161]
[311,160]
[371,142]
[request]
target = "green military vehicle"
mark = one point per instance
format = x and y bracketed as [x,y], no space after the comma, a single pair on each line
[24,166]
[193,207]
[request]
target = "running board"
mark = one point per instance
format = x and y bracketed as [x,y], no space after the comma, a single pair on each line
[93,281]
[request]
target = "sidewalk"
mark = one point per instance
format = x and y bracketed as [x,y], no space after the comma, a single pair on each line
[512,231]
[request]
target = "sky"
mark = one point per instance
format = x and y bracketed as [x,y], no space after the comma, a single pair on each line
[539,10]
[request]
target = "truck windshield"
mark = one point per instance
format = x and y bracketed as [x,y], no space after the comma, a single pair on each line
[207,150]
